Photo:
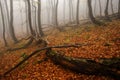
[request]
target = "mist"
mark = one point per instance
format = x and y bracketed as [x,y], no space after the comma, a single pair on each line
[59,39]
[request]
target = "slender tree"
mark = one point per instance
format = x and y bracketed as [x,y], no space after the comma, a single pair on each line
[95,1]
[54,4]
[100,8]
[91,13]
[112,6]
[39,18]
[64,7]
[12,32]
[29,18]
[70,10]
[26,14]
[119,9]
[77,12]
[106,11]
[3,22]
[56,13]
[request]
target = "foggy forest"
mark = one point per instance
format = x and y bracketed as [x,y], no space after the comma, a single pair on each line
[59,39]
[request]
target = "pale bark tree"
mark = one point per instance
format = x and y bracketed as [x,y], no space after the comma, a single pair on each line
[70,10]
[95,1]
[3,23]
[29,18]
[39,18]
[100,8]
[64,10]
[111,2]
[54,4]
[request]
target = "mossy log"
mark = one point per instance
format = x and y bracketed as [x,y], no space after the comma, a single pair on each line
[85,66]
[111,62]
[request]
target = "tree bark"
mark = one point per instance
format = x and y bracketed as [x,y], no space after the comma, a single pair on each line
[106,11]
[119,9]
[100,8]
[39,18]
[112,7]
[91,13]
[29,18]
[12,32]
[82,65]
[3,22]
[77,12]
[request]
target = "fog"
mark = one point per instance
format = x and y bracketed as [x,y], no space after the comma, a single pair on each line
[46,12]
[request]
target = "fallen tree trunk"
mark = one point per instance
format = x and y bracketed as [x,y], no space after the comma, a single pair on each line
[85,66]
[112,62]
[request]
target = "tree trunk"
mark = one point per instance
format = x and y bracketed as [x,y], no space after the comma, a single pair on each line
[56,13]
[91,13]
[3,22]
[112,7]
[95,7]
[77,12]
[39,18]
[12,32]
[106,11]
[119,9]
[29,18]
[100,8]
[82,65]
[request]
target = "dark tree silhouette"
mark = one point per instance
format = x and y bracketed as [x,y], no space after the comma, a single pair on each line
[77,12]
[106,11]
[91,13]
[12,32]
[29,18]
[119,9]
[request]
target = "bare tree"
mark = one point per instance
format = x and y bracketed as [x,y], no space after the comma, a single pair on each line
[91,13]
[56,13]
[70,10]
[39,18]
[95,1]
[64,10]
[112,6]
[54,4]
[100,8]
[3,22]
[106,11]
[77,12]
[12,32]
[29,18]
[119,9]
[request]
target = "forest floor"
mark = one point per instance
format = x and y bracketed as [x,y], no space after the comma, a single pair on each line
[105,42]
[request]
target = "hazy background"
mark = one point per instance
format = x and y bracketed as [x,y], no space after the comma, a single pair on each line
[20,12]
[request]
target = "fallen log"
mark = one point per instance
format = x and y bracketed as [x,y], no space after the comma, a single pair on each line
[110,62]
[85,66]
